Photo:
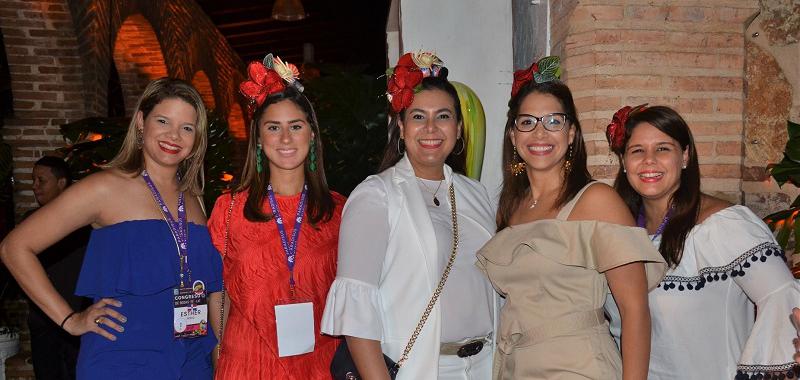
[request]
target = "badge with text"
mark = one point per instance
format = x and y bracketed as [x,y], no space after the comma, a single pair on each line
[294,320]
[190,311]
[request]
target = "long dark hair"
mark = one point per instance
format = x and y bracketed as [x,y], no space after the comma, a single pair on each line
[320,202]
[391,155]
[516,187]
[685,202]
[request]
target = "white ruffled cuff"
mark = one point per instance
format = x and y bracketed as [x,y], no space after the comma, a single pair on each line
[769,348]
[353,308]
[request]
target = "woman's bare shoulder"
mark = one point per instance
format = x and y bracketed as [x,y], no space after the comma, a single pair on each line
[602,203]
[710,205]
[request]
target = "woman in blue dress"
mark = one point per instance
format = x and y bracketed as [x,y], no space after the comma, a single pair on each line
[150,264]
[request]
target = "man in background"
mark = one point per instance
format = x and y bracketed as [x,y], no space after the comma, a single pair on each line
[53,350]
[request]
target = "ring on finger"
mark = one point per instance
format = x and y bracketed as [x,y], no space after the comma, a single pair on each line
[98,320]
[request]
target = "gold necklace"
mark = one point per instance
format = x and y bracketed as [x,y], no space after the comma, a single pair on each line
[435,200]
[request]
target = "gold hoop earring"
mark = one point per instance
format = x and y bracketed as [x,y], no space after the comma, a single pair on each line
[463,146]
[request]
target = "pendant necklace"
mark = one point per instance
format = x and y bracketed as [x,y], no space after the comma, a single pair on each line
[435,200]
[535,201]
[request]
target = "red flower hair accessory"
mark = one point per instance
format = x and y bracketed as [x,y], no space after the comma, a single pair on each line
[265,78]
[545,70]
[615,132]
[406,76]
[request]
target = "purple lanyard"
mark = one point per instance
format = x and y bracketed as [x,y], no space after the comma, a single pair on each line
[289,246]
[178,228]
[641,221]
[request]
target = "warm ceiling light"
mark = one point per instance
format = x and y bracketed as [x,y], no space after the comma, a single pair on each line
[288,10]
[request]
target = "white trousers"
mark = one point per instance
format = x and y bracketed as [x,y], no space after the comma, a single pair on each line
[475,367]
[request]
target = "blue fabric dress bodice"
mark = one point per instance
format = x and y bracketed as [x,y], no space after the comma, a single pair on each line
[136,262]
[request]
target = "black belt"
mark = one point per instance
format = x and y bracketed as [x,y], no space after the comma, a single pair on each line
[463,350]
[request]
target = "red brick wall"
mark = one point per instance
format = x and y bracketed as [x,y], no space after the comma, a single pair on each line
[60,54]
[46,82]
[677,53]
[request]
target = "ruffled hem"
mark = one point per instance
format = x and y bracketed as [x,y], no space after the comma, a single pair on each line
[736,268]
[353,309]
[767,372]
[139,257]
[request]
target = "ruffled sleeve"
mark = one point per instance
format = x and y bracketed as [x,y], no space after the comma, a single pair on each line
[744,249]
[589,244]
[216,222]
[353,307]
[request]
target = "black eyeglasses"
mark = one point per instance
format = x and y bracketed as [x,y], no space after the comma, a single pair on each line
[552,122]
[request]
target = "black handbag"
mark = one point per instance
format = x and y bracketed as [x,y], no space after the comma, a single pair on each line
[344,368]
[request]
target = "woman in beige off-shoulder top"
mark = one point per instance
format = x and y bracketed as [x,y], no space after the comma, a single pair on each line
[563,243]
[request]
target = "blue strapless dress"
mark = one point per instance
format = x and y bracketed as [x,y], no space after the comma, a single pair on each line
[136,262]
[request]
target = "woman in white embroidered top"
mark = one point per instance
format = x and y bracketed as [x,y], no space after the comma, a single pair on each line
[723,259]
[397,236]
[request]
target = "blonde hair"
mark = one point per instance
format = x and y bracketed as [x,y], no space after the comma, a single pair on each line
[130,158]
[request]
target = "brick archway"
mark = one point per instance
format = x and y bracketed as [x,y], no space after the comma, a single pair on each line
[236,124]
[138,57]
[203,85]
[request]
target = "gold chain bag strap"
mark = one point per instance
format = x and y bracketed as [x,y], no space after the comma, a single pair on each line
[224,254]
[343,367]
[440,286]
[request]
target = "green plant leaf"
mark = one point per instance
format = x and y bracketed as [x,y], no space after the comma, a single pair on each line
[785,171]
[548,67]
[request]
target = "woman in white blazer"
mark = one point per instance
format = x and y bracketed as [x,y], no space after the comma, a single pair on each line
[396,239]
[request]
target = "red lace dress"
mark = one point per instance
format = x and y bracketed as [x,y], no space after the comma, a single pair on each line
[256,276]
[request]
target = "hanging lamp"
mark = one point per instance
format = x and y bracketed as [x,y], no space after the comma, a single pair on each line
[288,10]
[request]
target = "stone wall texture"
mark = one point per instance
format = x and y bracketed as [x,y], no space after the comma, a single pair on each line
[60,55]
[772,96]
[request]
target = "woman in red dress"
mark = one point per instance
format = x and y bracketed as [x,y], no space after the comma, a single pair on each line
[278,234]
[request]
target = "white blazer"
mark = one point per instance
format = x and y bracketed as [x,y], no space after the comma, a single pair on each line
[410,271]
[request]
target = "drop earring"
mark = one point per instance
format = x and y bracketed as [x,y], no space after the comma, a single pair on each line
[568,161]
[312,156]
[517,166]
[259,158]
[139,138]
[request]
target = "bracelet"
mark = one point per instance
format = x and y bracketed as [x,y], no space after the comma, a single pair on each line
[66,318]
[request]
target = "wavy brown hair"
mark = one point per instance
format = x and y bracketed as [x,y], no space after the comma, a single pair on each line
[685,202]
[320,202]
[515,188]
[130,158]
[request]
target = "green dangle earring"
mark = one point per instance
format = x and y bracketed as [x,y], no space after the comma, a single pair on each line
[259,158]
[312,156]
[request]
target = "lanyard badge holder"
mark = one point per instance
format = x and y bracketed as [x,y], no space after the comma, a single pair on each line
[189,299]
[294,316]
